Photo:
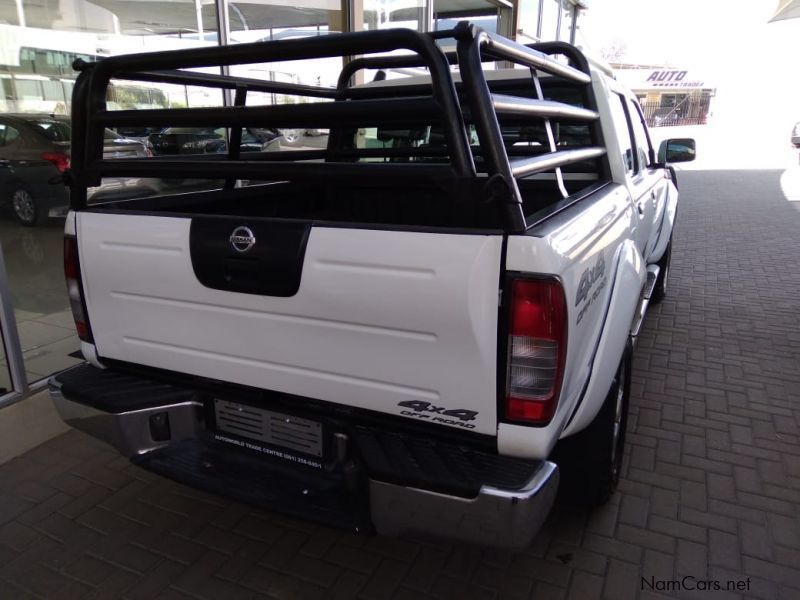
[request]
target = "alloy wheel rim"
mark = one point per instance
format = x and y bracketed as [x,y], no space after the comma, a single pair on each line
[24,206]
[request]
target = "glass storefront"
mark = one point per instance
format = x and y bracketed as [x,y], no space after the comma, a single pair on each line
[33,259]
[267,20]
[544,20]
[11,377]
[39,41]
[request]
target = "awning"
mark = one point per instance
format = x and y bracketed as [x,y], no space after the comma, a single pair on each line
[787,9]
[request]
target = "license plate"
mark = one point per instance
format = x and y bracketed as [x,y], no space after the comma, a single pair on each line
[270,432]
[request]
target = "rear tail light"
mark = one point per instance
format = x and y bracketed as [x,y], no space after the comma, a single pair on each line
[72,273]
[59,159]
[537,344]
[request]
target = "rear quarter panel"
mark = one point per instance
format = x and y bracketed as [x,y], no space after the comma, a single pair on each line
[581,247]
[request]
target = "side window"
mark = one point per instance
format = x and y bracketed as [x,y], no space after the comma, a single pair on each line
[7,134]
[621,126]
[11,135]
[640,134]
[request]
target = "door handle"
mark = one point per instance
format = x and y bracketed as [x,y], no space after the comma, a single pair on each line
[5,163]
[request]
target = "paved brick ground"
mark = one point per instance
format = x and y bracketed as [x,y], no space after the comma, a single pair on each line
[711,484]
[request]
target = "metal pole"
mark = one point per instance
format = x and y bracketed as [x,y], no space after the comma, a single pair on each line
[574,28]
[224,34]
[353,17]
[558,20]
[9,333]
[540,20]
[198,11]
[20,13]
[427,25]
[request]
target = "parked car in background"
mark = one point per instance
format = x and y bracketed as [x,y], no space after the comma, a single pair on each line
[34,152]
[796,135]
[300,139]
[140,134]
[205,140]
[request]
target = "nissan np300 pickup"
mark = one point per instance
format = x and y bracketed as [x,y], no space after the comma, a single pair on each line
[414,327]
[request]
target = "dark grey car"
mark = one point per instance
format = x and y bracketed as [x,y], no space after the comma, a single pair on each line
[34,152]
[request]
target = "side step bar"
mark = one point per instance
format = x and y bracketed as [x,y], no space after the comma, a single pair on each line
[644,300]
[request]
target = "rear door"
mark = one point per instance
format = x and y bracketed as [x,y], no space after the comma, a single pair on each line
[651,199]
[400,322]
[641,180]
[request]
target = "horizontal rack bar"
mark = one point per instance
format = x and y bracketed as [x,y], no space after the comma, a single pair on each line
[415,61]
[560,158]
[316,114]
[341,44]
[292,155]
[245,169]
[179,77]
[515,105]
[503,49]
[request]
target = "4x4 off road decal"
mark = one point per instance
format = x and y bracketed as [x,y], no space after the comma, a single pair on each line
[589,278]
[438,414]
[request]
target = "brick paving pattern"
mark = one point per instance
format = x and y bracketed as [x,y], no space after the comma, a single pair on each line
[710,490]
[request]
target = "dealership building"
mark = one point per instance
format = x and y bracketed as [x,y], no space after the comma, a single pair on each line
[670,95]
[41,39]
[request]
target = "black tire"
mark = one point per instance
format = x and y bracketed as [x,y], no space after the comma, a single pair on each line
[590,462]
[660,291]
[27,210]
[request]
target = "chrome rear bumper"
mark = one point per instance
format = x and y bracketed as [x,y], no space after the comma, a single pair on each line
[128,432]
[495,517]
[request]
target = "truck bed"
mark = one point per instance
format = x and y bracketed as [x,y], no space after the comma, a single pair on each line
[400,204]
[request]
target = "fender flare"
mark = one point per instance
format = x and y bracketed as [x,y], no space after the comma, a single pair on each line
[629,278]
[667,223]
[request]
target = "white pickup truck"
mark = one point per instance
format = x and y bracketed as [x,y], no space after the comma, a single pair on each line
[415,327]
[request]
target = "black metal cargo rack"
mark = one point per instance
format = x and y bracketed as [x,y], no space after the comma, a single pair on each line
[345,106]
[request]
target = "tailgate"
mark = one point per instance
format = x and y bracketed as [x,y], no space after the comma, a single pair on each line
[400,322]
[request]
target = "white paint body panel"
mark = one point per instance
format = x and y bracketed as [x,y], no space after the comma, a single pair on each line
[608,224]
[628,280]
[567,246]
[669,210]
[381,317]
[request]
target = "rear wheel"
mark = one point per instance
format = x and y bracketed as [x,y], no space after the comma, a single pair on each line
[591,461]
[26,209]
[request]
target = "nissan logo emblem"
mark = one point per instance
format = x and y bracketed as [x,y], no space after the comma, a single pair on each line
[242,239]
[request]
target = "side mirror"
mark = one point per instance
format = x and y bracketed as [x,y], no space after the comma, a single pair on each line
[677,150]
